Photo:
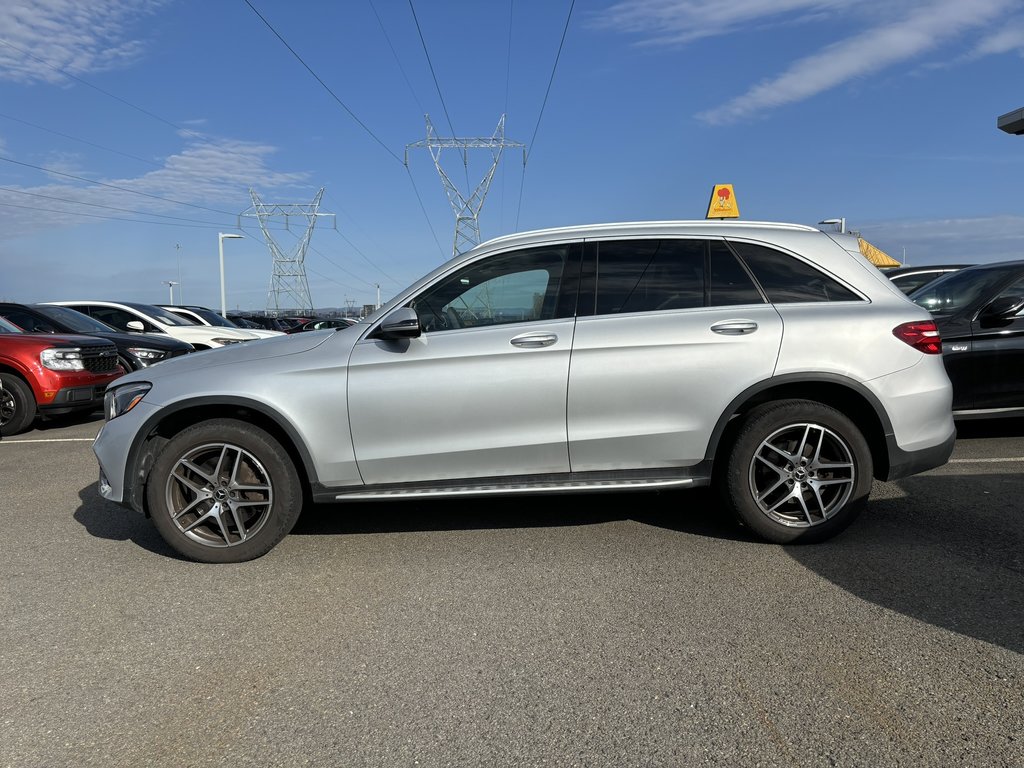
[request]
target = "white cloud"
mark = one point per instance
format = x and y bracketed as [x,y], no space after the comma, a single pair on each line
[40,37]
[950,241]
[879,39]
[204,178]
[668,22]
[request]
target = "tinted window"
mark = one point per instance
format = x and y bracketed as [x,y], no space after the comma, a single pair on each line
[27,321]
[516,287]
[785,279]
[118,318]
[958,290]
[648,275]
[728,282]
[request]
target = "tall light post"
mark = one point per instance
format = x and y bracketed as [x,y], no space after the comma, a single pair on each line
[223,295]
[170,284]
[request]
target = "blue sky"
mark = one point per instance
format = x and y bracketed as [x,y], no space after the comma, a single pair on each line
[133,132]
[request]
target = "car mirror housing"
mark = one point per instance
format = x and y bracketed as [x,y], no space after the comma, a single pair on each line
[403,323]
[135,326]
[1002,309]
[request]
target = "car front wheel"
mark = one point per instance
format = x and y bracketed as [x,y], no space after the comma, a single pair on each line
[798,471]
[17,405]
[223,491]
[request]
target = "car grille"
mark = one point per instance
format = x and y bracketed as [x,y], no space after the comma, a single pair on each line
[99,359]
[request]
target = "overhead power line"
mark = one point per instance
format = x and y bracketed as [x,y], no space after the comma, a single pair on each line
[114,186]
[322,83]
[430,64]
[533,139]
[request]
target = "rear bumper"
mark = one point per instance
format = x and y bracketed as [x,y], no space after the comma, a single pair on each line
[905,463]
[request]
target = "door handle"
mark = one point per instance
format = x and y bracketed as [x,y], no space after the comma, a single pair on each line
[533,340]
[734,327]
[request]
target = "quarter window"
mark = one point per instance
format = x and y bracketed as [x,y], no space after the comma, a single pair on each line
[787,280]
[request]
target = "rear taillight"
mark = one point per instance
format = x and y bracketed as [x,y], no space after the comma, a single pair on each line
[922,336]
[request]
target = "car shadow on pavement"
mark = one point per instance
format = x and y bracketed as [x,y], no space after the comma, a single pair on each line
[107,520]
[689,511]
[946,550]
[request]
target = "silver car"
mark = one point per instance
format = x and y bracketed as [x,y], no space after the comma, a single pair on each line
[771,361]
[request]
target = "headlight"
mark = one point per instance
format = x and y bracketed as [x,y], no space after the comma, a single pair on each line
[66,359]
[227,341]
[117,401]
[147,356]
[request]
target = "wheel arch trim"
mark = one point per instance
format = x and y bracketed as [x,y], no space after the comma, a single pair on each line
[752,396]
[136,470]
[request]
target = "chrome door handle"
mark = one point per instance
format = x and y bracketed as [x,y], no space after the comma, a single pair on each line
[734,327]
[531,340]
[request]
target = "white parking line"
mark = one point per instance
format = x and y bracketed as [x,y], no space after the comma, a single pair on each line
[985,461]
[8,441]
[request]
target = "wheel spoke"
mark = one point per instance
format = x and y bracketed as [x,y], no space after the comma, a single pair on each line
[817,465]
[219,495]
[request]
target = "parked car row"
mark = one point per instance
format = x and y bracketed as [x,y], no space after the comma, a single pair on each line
[141,335]
[979,311]
[51,374]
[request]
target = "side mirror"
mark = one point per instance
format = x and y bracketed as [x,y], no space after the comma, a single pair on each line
[1001,310]
[136,326]
[403,323]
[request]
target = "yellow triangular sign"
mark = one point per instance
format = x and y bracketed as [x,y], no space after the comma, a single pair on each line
[876,255]
[723,203]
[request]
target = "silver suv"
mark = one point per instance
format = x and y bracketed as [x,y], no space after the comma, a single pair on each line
[772,361]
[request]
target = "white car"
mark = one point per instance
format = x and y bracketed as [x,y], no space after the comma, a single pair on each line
[132,317]
[205,316]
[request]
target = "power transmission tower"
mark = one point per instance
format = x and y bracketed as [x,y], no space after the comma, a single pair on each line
[289,290]
[466,207]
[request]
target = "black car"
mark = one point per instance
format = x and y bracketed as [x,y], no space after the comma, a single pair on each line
[134,350]
[979,312]
[909,279]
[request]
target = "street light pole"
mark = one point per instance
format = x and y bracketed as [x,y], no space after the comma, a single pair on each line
[223,294]
[170,284]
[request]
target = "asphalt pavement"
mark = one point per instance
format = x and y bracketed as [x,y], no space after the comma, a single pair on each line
[585,630]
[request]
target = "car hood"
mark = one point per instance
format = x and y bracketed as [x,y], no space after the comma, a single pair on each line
[42,340]
[202,334]
[258,349]
[150,340]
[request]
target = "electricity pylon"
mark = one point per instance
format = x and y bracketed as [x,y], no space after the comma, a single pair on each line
[288,280]
[466,207]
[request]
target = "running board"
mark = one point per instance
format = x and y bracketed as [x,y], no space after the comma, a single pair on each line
[503,489]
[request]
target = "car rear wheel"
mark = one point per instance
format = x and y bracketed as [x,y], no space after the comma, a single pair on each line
[798,471]
[223,491]
[17,405]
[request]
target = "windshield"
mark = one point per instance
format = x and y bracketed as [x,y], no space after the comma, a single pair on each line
[160,314]
[73,320]
[957,290]
[212,317]
[6,327]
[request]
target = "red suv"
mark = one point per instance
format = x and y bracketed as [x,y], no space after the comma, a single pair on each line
[48,374]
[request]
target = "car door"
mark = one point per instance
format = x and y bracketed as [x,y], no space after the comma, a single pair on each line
[482,392]
[997,355]
[670,330]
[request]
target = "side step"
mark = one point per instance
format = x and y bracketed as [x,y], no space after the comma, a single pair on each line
[494,487]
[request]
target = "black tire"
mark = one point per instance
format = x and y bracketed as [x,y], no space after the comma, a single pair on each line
[797,471]
[17,405]
[231,463]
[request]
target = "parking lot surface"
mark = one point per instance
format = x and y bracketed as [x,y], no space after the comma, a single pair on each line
[584,630]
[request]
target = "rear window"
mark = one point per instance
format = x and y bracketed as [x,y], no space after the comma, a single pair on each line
[787,280]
